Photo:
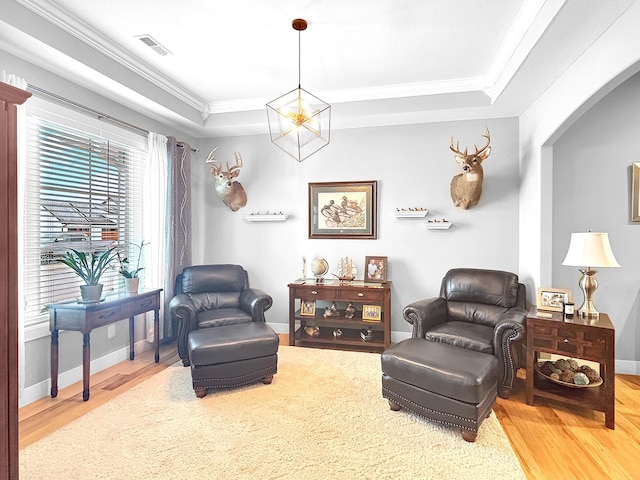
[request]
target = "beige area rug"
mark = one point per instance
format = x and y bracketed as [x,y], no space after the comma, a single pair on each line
[323,417]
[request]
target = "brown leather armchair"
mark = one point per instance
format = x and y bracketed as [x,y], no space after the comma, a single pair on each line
[480,310]
[209,296]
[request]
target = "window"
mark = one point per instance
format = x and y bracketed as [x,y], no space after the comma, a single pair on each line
[83,191]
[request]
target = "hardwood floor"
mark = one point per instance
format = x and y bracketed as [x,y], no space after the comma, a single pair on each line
[552,440]
[40,418]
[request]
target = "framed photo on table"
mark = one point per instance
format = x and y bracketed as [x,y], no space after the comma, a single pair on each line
[372,313]
[308,308]
[553,299]
[375,269]
[343,210]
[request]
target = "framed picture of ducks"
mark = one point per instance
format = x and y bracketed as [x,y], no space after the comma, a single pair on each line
[343,210]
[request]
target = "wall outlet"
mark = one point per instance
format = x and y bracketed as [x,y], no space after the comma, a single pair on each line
[111,331]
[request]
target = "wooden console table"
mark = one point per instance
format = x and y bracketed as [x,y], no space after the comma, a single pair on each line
[585,338]
[322,294]
[84,317]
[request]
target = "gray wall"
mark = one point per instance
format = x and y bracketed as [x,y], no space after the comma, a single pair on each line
[413,166]
[591,189]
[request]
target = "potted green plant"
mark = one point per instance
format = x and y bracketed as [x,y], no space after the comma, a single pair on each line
[131,278]
[89,267]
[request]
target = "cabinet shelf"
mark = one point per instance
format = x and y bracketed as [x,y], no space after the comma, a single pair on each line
[350,340]
[329,292]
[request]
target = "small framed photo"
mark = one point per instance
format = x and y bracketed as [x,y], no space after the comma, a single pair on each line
[372,313]
[375,269]
[553,299]
[308,308]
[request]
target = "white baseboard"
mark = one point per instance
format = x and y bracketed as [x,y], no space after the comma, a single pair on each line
[627,367]
[69,377]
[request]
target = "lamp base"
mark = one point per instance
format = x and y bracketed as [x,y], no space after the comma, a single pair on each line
[588,285]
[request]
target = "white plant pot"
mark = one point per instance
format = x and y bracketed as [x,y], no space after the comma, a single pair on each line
[132,284]
[91,293]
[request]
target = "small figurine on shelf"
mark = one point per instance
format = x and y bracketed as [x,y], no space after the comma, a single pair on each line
[367,335]
[312,330]
[337,333]
[349,311]
[331,311]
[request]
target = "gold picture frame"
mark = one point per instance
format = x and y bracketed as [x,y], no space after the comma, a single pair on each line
[308,308]
[372,313]
[635,192]
[552,299]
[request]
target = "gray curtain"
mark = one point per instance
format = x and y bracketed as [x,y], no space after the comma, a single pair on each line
[178,241]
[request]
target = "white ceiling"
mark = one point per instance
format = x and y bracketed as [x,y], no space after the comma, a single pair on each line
[377,62]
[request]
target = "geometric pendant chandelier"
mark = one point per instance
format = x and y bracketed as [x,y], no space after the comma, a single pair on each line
[299,122]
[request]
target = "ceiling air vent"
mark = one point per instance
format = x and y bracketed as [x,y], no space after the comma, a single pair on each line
[152,44]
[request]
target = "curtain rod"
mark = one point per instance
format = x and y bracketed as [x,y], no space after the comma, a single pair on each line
[99,115]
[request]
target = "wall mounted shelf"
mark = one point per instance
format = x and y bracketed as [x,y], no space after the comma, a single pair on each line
[411,212]
[439,224]
[266,217]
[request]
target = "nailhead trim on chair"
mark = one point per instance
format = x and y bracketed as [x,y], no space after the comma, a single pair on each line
[385,390]
[506,348]
[203,382]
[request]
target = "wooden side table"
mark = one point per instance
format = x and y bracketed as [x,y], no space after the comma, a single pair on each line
[84,317]
[583,338]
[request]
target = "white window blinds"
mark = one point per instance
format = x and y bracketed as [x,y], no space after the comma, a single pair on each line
[84,192]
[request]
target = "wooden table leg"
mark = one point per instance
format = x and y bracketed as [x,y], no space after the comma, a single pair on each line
[608,375]
[54,363]
[132,353]
[292,320]
[156,333]
[86,365]
[531,359]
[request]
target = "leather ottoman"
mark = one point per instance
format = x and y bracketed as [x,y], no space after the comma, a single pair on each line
[232,355]
[451,385]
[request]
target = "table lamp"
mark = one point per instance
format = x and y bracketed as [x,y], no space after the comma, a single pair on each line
[588,250]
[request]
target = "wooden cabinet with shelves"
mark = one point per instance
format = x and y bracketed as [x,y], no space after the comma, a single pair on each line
[338,331]
[589,339]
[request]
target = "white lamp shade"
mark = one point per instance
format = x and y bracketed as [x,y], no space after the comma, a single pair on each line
[590,249]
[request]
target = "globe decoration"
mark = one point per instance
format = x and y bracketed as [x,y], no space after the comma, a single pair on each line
[319,267]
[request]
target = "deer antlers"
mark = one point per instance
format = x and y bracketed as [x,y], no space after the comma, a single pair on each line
[216,169]
[478,152]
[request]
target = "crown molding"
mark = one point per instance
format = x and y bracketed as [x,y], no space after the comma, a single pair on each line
[361,94]
[532,20]
[83,32]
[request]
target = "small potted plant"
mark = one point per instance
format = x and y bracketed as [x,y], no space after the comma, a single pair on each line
[131,278]
[89,267]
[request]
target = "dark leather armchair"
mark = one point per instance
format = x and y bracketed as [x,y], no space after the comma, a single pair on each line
[480,310]
[209,296]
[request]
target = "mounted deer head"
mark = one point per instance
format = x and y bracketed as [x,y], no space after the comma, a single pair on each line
[466,187]
[230,192]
